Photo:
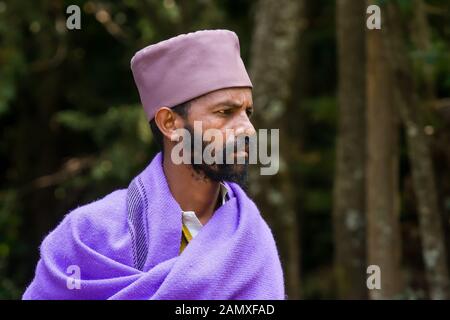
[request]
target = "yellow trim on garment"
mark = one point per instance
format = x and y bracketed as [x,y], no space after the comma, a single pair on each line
[185,238]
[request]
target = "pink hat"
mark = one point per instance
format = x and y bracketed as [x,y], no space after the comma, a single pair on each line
[187,66]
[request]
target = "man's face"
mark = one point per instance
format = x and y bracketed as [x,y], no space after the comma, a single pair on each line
[228,111]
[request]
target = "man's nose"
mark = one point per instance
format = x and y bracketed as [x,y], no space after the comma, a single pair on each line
[244,126]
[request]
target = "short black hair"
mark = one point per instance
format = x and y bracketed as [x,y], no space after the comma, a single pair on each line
[181,109]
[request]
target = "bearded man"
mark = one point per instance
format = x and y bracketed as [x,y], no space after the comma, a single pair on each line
[180,230]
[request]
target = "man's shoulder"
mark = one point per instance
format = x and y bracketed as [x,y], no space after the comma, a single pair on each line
[103,216]
[97,230]
[108,206]
[100,225]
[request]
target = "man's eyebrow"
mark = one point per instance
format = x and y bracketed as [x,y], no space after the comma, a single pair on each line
[231,103]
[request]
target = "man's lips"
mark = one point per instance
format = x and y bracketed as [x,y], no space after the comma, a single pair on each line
[242,153]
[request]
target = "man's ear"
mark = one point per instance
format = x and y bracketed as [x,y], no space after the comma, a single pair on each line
[168,121]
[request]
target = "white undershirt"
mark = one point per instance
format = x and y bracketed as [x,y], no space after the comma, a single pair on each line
[190,219]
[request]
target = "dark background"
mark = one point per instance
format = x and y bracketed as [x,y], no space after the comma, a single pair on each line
[343,97]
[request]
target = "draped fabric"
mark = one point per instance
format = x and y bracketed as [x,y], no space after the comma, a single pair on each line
[127,246]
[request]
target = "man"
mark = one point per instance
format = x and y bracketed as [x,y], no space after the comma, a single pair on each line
[180,230]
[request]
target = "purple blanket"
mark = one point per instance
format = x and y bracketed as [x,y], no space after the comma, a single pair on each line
[126,246]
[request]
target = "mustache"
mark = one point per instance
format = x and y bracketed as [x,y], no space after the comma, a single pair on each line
[235,145]
[227,150]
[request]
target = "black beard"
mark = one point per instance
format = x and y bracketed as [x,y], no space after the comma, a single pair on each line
[237,173]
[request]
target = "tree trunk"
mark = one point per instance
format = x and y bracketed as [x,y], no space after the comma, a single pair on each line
[430,218]
[349,188]
[273,60]
[383,230]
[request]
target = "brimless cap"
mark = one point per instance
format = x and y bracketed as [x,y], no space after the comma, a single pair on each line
[187,66]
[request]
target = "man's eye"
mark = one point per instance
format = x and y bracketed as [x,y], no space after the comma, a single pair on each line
[249,112]
[225,111]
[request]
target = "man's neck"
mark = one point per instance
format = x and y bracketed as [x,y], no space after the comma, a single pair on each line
[192,191]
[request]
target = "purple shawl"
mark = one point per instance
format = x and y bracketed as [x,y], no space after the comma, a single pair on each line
[126,246]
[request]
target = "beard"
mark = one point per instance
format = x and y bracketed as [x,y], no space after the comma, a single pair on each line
[234,172]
